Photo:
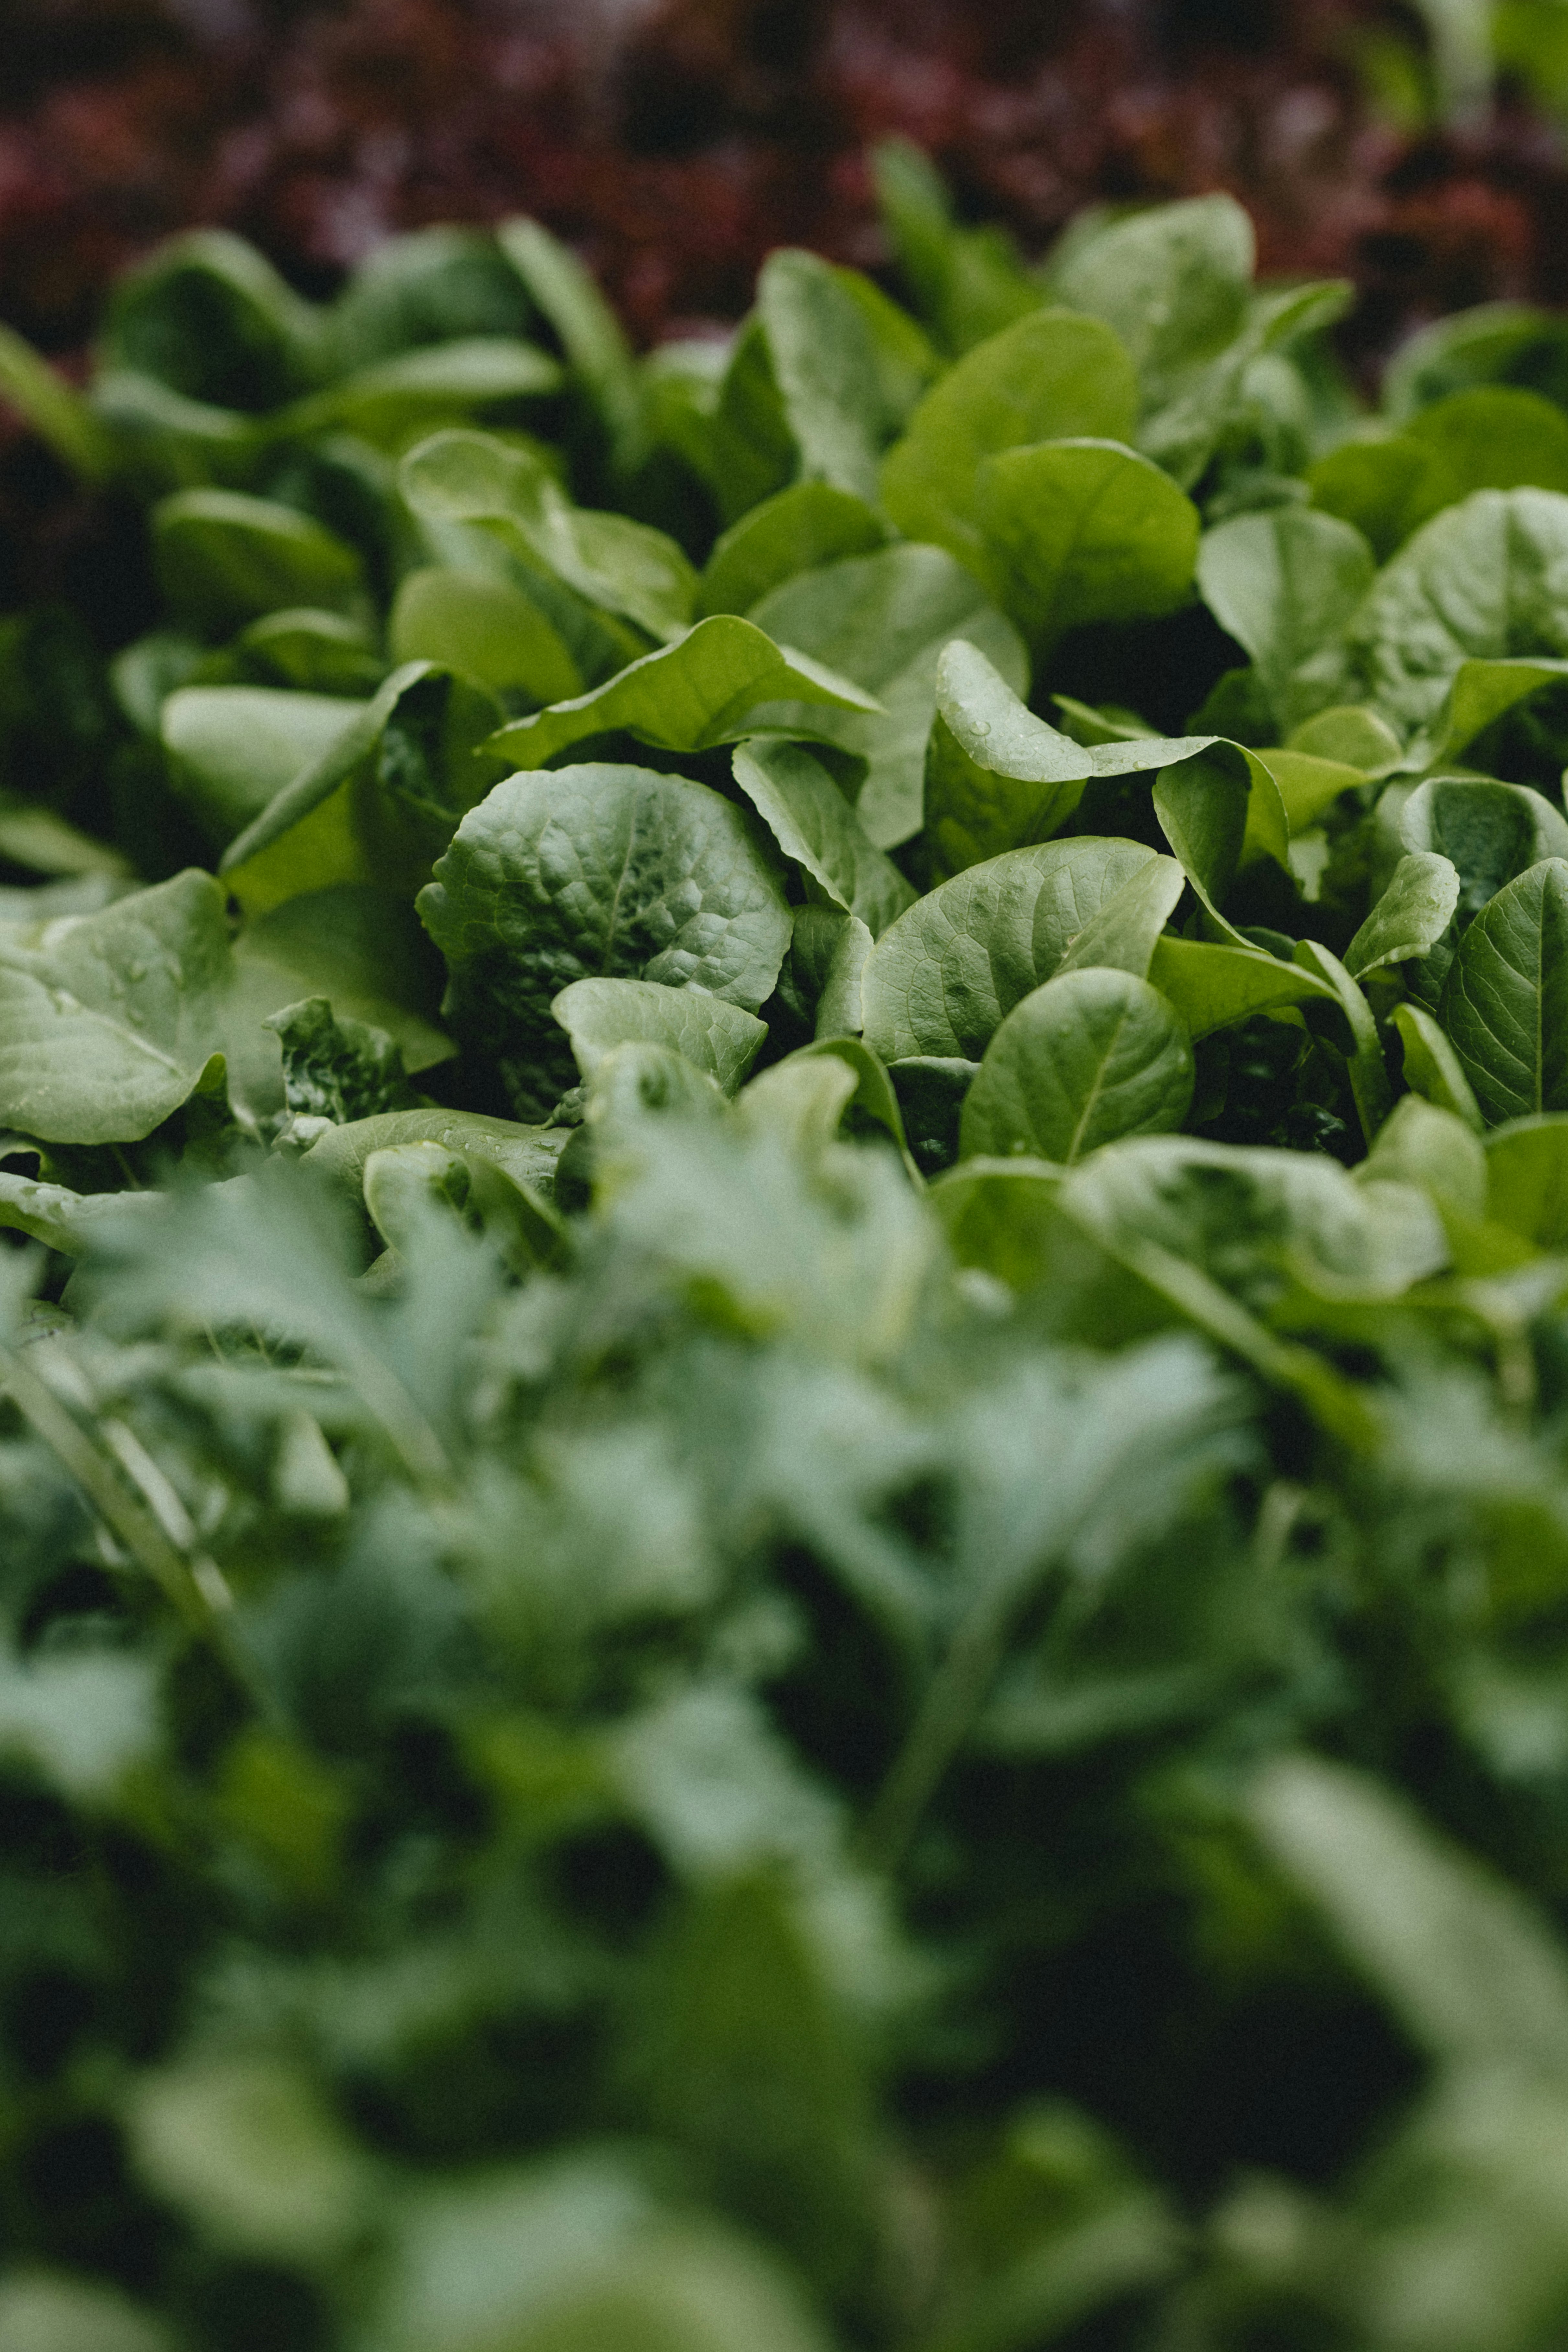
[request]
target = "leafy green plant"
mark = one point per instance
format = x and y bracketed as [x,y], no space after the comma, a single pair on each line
[781,1497]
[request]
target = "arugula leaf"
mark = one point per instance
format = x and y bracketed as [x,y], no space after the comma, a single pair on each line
[1091,1056]
[593,872]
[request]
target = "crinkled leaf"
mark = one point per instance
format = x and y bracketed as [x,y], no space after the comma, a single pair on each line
[337,1068]
[590,872]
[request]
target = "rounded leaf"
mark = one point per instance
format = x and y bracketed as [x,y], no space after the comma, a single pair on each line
[1089,1057]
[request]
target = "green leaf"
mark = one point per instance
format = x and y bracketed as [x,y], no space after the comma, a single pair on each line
[1432,1067]
[161,441]
[1481,692]
[968,282]
[363,950]
[250,2151]
[623,566]
[380,802]
[486,629]
[57,412]
[1285,583]
[210,317]
[526,1154]
[1308,787]
[1489,832]
[1477,582]
[1422,1144]
[1125,930]
[1080,531]
[883,620]
[1366,1068]
[1088,1058]
[589,331]
[687,696]
[1475,1976]
[573,2256]
[1212,987]
[1491,437]
[824,368]
[814,825]
[998,778]
[796,529]
[337,1069]
[432,286]
[592,872]
[1527,1178]
[1505,1003]
[1351,735]
[827,957]
[1172,283]
[233,749]
[388,403]
[1215,810]
[115,1023]
[1049,377]
[42,2311]
[942,977]
[319,653]
[715,1036]
[1410,918]
[223,557]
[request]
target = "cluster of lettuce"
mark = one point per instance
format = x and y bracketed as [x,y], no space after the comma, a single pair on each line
[777,1420]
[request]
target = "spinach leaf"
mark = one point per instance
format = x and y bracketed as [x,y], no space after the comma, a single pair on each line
[1285,584]
[797,530]
[882,621]
[223,557]
[942,977]
[685,697]
[997,777]
[1078,532]
[1088,1058]
[595,872]
[110,1024]
[1479,582]
[1410,918]
[336,1068]
[813,825]
[1050,376]
[716,1036]
[1172,283]
[1505,1003]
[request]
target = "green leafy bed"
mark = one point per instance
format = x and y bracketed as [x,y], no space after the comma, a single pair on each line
[784,1534]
